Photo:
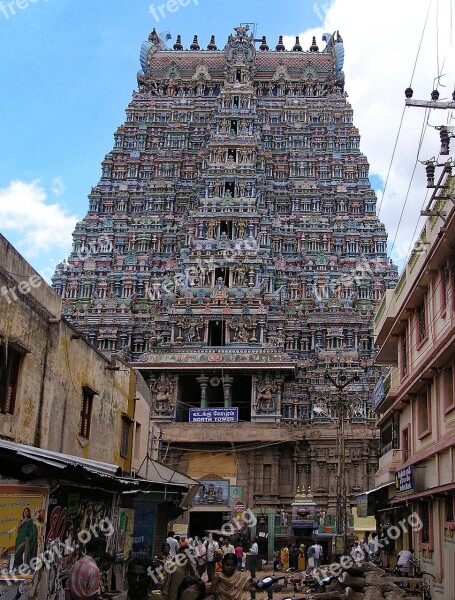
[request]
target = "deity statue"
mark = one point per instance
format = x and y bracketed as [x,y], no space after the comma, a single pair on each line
[240,332]
[161,395]
[239,275]
[240,229]
[265,388]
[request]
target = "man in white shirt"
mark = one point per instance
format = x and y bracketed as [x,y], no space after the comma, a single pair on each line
[227,548]
[404,561]
[212,547]
[253,552]
[318,551]
[173,544]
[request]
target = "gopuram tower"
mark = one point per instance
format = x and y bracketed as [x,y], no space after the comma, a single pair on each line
[232,253]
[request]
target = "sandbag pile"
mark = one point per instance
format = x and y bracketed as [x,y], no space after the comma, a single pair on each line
[367,581]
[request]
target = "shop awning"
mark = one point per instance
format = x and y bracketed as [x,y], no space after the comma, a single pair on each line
[376,489]
[367,501]
[29,462]
[59,460]
[152,470]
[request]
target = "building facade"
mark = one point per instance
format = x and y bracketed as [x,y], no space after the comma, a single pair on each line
[57,392]
[232,253]
[414,330]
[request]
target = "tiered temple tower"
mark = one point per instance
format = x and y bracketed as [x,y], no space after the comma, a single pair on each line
[232,253]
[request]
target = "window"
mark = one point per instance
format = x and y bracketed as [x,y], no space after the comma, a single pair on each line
[423,413]
[447,389]
[9,374]
[449,512]
[421,313]
[426,530]
[126,423]
[86,412]
[390,434]
[404,353]
[137,440]
[267,479]
[405,443]
[444,283]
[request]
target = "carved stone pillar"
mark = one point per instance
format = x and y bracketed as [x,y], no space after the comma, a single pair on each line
[322,478]
[307,469]
[227,390]
[299,475]
[276,471]
[203,381]
[279,390]
[295,458]
[261,331]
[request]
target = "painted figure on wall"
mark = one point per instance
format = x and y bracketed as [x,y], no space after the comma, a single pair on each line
[26,546]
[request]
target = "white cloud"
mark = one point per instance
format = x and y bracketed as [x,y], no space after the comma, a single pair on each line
[381,41]
[57,186]
[32,224]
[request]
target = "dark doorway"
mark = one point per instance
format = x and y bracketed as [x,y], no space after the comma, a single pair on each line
[201,522]
[216,333]
[229,186]
[241,396]
[233,126]
[222,273]
[232,153]
[226,228]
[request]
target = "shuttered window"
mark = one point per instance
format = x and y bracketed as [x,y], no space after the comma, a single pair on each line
[86,413]
[9,375]
[125,437]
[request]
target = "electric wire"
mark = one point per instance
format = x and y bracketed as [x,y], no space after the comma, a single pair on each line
[422,135]
[404,108]
[437,43]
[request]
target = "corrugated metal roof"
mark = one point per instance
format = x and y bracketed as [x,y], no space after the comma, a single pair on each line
[56,459]
[152,470]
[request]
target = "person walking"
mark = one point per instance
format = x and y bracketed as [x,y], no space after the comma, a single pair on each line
[231,584]
[284,556]
[173,543]
[138,579]
[239,554]
[301,560]
[310,557]
[318,554]
[201,556]
[211,548]
[294,557]
[253,560]
[404,561]
[84,579]
[227,547]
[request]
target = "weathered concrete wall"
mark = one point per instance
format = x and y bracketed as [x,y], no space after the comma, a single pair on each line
[141,423]
[56,365]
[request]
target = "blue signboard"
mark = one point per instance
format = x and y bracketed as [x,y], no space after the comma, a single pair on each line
[214,415]
[404,481]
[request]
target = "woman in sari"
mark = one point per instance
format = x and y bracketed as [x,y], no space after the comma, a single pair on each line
[231,584]
[302,557]
[284,557]
[26,546]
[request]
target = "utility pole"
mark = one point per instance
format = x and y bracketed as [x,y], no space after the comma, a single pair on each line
[340,382]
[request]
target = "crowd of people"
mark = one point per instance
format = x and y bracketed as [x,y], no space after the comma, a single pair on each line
[186,569]
[193,569]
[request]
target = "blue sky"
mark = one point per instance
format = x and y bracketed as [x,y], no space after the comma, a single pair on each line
[68,69]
